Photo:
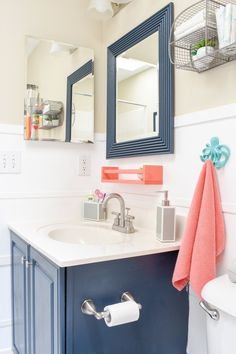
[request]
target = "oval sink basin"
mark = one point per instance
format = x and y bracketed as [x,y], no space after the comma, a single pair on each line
[85,235]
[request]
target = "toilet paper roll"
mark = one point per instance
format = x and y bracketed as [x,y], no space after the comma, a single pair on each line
[124,312]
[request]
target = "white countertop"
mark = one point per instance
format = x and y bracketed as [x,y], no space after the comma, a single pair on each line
[142,242]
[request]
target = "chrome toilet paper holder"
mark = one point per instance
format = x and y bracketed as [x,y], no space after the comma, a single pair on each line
[89,308]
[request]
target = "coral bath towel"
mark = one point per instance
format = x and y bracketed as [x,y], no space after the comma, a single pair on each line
[204,236]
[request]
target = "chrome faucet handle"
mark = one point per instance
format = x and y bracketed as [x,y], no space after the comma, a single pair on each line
[127,216]
[130,217]
[115,213]
[117,218]
[128,222]
[127,211]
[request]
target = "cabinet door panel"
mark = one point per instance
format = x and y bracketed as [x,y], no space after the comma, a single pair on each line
[46,317]
[19,295]
[42,315]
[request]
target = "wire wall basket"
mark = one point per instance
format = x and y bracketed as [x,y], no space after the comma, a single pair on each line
[194,41]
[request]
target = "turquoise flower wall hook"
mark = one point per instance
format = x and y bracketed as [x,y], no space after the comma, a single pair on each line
[217,153]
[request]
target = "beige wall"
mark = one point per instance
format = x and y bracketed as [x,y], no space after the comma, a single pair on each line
[64,21]
[193,91]
[48,72]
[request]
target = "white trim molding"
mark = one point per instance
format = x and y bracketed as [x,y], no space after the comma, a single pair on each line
[11,129]
[5,261]
[186,203]
[147,198]
[100,137]
[206,116]
[5,323]
[43,195]
[6,351]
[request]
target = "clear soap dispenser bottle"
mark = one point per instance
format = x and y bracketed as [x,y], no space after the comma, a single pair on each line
[166,220]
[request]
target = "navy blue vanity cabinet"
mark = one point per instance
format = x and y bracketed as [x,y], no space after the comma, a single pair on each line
[19,252]
[163,324]
[38,302]
[47,299]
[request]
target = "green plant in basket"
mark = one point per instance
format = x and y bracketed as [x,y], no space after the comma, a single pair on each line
[203,43]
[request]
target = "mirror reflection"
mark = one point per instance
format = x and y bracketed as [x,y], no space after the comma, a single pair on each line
[138,91]
[48,64]
[82,110]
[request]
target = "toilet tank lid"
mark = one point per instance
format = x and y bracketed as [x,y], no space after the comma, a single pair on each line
[221,293]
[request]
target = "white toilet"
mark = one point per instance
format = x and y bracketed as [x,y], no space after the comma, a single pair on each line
[220,295]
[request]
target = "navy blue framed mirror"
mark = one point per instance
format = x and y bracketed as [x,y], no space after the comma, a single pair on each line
[80,105]
[140,90]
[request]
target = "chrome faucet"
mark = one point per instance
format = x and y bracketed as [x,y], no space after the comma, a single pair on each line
[122,222]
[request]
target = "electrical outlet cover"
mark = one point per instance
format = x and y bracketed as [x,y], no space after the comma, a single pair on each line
[84,165]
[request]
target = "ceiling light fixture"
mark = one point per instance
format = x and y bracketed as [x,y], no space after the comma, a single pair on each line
[100,9]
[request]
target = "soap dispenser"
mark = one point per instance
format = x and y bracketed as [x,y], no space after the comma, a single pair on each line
[166,220]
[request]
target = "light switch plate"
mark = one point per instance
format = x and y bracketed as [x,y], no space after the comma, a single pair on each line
[14,165]
[10,162]
[3,161]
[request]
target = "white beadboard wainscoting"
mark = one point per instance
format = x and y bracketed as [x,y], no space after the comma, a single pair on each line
[49,188]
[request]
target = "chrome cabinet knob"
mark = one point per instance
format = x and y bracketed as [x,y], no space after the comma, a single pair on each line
[28,264]
[23,260]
